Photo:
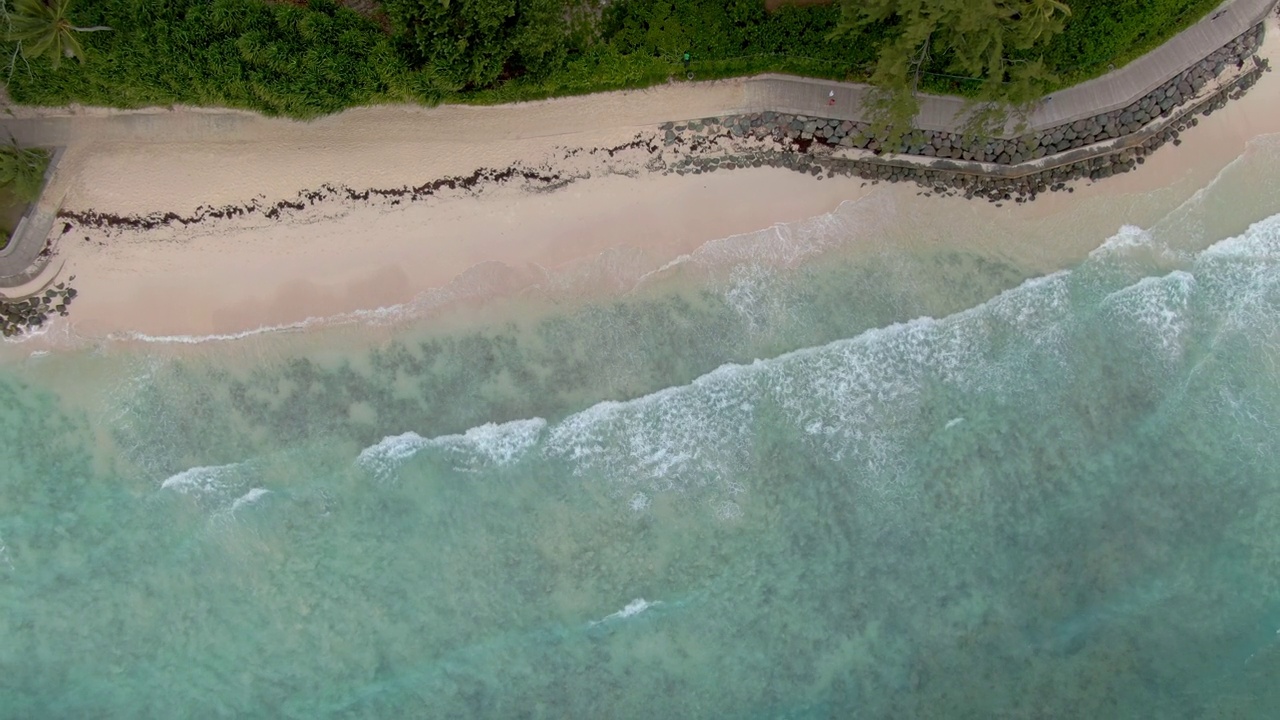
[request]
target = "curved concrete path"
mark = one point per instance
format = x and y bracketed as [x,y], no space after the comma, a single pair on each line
[19,259]
[1116,89]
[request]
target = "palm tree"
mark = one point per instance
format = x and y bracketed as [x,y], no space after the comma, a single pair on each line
[41,27]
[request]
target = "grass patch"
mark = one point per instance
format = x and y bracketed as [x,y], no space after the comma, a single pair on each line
[21,179]
[22,173]
[11,211]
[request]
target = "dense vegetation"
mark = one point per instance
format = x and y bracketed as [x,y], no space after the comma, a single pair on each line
[22,172]
[306,58]
[970,39]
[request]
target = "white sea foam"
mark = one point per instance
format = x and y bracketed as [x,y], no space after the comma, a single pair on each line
[33,333]
[1246,281]
[855,397]
[1156,306]
[1128,236]
[482,280]
[680,439]
[857,400]
[639,502]
[633,608]
[1261,241]
[492,444]
[1189,222]
[4,554]
[786,244]
[755,292]
[200,480]
[389,313]
[199,339]
[1142,247]
[780,244]
[385,456]
[248,498]
[489,445]
[728,510]
[219,490]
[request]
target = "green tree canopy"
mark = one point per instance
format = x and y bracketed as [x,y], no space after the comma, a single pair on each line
[42,28]
[973,38]
[474,43]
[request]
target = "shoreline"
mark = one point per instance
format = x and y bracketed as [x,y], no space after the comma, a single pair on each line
[240,246]
[1019,168]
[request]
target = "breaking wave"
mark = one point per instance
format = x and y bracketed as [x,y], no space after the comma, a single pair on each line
[487,446]
[857,401]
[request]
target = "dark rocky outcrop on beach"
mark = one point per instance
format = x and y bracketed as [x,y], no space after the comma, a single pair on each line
[18,316]
[996,169]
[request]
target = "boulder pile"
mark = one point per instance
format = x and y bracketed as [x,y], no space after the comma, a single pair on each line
[20,316]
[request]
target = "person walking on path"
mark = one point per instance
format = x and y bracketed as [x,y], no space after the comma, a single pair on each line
[831,98]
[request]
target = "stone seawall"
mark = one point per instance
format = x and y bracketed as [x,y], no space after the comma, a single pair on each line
[995,169]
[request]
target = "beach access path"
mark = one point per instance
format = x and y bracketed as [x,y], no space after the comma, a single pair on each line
[80,128]
[1116,89]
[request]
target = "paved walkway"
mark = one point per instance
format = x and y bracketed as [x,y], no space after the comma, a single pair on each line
[18,258]
[1116,89]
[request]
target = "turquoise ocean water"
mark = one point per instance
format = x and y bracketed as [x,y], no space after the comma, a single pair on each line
[912,481]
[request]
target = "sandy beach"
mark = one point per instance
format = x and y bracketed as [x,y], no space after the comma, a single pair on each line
[227,276]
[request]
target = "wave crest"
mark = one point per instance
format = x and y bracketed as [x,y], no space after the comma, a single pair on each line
[486,446]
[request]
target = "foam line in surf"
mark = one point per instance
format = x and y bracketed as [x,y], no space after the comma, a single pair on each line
[1158,306]
[202,479]
[218,490]
[853,399]
[389,312]
[476,281]
[488,445]
[632,609]
[1194,212]
[785,243]
[665,440]
[248,498]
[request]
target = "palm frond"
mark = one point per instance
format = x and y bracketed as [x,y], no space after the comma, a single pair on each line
[42,28]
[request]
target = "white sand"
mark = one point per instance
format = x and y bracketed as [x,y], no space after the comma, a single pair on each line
[224,277]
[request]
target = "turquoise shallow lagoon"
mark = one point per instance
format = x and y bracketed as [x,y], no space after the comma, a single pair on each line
[917,482]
